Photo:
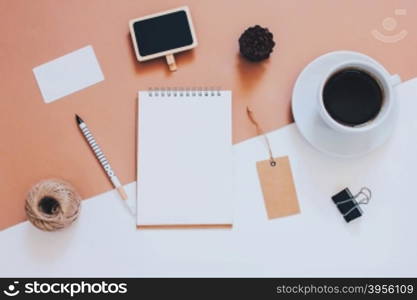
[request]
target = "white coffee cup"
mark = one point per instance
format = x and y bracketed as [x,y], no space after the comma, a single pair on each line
[386,82]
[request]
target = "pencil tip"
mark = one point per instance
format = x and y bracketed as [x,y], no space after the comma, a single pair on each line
[79,120]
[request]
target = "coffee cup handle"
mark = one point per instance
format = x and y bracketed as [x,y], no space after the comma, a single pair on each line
[395,79]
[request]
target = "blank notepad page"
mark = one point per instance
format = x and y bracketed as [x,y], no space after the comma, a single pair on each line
[184,158]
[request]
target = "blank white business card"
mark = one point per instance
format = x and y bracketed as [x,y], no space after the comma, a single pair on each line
[68,74]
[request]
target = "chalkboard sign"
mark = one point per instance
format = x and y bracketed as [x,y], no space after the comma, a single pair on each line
[163,34]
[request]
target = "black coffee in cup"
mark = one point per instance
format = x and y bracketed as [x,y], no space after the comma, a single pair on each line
[352,97]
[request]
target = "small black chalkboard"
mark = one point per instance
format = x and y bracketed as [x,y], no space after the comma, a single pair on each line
[163,34]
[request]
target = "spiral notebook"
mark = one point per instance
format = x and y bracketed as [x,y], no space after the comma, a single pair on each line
[184,167]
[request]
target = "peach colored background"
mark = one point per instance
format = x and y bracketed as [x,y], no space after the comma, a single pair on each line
[41,140]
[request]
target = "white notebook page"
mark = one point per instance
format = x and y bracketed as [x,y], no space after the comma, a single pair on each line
[184,159]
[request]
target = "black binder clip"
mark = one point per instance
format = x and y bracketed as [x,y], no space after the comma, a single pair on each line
[349,205]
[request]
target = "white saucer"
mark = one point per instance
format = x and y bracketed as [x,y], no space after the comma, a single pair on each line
[305,109]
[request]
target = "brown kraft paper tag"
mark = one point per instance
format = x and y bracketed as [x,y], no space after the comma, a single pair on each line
[278,187]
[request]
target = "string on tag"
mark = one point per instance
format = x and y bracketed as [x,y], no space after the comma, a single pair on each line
[260,131]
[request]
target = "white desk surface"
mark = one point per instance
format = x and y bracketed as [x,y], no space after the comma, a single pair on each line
[317,242]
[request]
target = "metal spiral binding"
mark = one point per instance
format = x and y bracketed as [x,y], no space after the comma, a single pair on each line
[184,92]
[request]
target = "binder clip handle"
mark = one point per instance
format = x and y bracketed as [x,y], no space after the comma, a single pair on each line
[363,196]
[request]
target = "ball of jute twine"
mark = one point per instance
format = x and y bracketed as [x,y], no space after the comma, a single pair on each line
[52,205]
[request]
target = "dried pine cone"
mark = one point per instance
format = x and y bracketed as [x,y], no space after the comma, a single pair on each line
[256,43]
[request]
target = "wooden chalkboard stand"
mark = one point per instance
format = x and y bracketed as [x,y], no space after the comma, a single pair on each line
[171,62]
